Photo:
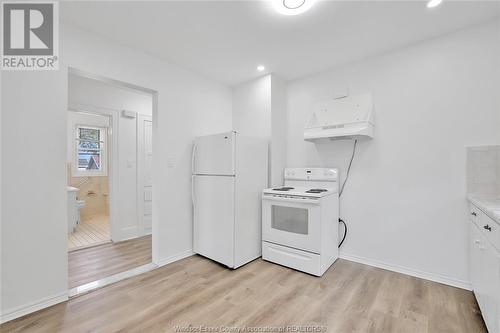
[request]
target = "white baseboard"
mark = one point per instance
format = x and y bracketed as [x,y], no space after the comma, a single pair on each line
[131,233]
[128,233]
[176,257]
[408,271]
[33,306]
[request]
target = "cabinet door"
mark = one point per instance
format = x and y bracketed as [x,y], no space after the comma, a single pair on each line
[491,283]
[475,264]
[485,277]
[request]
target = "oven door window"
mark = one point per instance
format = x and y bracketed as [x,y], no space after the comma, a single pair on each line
[290,219]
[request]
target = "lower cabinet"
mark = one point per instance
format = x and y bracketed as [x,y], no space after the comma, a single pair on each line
[476,264]
[485,274]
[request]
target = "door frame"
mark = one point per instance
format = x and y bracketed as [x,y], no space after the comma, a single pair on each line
[141,118]
[155,247]
[112,161]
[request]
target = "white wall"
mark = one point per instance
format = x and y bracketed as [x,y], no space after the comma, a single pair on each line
[34,229]
[95,93]
[1,192]
[90,94]
[259,110]
[278,131]
[34,240]
[405,201]
[252,107]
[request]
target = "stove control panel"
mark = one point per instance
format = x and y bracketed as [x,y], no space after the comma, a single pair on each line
[322,174]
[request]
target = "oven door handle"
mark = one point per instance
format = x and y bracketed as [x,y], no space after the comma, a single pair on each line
[291,200]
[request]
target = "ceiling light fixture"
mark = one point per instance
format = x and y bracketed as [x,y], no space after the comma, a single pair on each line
[260,68]
[434,3]
[292,7]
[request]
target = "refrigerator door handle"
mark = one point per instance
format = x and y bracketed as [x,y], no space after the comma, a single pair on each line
[192,189]
[193,156]
[195,237]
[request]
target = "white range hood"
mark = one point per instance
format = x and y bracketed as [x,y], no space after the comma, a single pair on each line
[349,117]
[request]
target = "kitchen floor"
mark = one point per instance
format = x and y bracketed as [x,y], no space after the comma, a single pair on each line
[94,230]
[95,263]
[350,297]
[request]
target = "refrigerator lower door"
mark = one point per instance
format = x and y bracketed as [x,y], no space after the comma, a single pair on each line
[213,200]
[214,154]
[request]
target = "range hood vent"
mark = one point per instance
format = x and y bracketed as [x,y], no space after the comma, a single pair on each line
[344,118]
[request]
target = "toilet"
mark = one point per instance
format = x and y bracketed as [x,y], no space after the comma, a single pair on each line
[79,205]
[73,210]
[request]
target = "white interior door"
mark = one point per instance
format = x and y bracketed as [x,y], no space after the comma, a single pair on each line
[213,201]
[144,172]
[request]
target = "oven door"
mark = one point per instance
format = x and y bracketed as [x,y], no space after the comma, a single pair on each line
[293,222]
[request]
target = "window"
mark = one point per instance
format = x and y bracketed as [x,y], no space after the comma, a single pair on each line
[90,151]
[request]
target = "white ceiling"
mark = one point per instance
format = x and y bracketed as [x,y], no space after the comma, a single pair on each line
[226,40]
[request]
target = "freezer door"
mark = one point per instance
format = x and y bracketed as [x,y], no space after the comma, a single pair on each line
[213,201]
[214,154]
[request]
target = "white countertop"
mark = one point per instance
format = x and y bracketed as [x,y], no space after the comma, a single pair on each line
[490,205]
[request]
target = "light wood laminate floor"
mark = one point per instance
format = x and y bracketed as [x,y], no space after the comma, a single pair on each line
[350,297]
[92,231]
[101,261]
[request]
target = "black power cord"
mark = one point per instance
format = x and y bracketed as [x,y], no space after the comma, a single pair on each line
[345,232]
[342,188]
[349,167]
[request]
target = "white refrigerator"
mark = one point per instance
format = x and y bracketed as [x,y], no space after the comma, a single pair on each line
[229,173]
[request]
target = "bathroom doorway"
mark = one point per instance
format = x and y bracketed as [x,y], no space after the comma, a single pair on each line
[88,170]
[110,135]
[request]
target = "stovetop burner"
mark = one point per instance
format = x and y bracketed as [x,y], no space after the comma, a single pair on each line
[316,190]
[283,189]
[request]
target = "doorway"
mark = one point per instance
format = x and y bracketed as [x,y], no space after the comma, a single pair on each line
[88,179]
[119,182]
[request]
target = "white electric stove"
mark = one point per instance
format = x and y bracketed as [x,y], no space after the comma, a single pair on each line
[300,220]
